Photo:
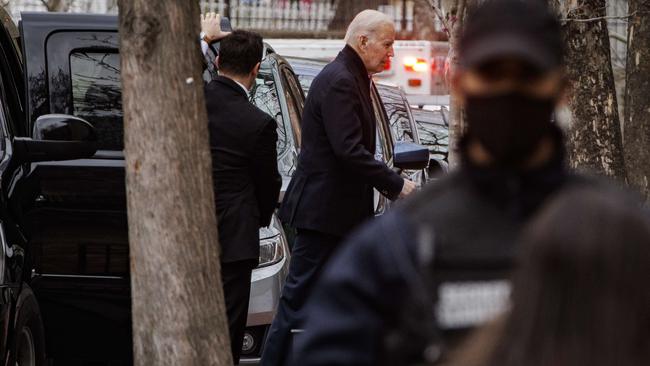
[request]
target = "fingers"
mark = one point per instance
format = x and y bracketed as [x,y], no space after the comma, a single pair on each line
[408,188]
[210,16]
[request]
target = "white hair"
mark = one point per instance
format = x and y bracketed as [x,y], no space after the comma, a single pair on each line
[366,23]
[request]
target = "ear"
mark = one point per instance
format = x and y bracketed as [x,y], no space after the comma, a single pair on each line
[256,69]
[216,62]
[363,41]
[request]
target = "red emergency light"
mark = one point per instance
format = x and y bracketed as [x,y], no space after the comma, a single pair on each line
[415,64]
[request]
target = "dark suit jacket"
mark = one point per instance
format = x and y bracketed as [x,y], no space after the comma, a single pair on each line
[331,190]
[244,168]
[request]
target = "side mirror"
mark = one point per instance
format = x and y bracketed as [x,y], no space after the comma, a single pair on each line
[57,137]
[62,127]
[410,156]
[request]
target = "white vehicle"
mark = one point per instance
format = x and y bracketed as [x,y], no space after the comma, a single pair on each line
[418,66]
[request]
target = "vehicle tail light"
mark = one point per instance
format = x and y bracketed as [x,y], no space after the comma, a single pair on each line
[414,83]
[415,64]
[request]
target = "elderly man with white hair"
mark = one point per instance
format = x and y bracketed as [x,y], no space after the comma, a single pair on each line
[331,191]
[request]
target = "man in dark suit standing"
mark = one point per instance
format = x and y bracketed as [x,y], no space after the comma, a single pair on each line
[331,191]
[244,170]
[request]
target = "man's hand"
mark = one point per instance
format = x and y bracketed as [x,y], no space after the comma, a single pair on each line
[211,27]
[408,188]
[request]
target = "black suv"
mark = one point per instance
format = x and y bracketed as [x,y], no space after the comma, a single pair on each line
[26,139]
[77,209]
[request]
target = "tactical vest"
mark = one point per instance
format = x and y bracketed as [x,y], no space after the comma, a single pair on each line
[467,245]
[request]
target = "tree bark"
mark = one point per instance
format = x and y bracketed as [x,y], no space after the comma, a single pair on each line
[594,138]
[456,123]
[424,21]
[346,10]
[636,131]
[177,299]
[56,5]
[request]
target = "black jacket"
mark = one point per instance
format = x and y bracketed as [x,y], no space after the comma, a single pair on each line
[244,168]
[331,190]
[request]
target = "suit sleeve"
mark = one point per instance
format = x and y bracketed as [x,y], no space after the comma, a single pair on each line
[340,111]
[266,177]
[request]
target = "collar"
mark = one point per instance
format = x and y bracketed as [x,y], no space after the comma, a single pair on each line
[237,86]
[354,60]
[242,86]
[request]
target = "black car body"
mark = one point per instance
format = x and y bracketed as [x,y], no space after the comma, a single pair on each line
[76,214]
[27,140]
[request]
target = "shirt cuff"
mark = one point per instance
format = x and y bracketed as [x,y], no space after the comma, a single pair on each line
[204,47]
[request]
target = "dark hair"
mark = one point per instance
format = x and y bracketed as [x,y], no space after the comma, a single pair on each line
[581,294]
[240,51]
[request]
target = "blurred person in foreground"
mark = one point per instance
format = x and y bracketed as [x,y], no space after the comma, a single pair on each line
[580,295]
[409,286]
[331,191]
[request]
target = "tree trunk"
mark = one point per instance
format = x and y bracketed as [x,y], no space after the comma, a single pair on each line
[636,131]
[594,138]
[346,10]
[456,125]
[424,22]
[177,299]
[56,5]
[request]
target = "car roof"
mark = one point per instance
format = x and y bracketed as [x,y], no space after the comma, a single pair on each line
[428,116]
[306,66]
[54,20]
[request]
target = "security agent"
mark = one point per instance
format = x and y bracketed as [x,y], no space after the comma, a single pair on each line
[244,170]
[409,286]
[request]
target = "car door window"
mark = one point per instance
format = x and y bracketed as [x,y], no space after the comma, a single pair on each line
[294,98]
[12,85]
[97,95]
[398,113]
[265,96]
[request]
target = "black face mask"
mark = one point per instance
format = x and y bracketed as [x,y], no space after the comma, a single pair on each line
[509,126]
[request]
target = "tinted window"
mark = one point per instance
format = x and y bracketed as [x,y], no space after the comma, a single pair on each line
[11,90]
[97,95]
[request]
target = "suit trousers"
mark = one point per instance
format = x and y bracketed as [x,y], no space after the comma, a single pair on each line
[309,254]
[236,279]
